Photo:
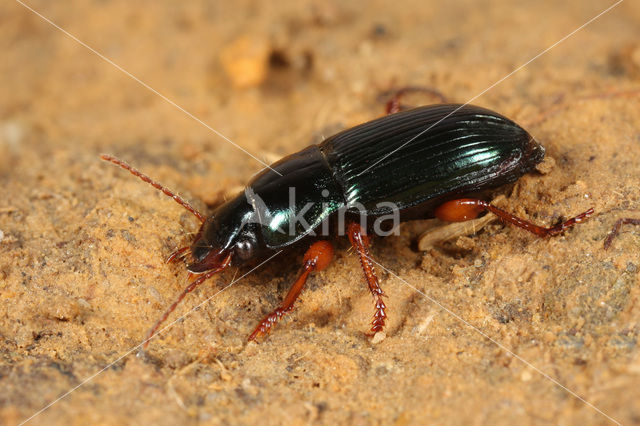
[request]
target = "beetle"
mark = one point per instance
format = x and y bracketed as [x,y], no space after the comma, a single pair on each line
[431,161]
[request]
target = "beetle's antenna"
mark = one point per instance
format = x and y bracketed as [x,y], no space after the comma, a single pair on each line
[155,184]
[179,254]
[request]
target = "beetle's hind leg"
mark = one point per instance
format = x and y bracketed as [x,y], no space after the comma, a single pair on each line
[316,258]
[394,105]
[469,208]
[360,242]
[616,229]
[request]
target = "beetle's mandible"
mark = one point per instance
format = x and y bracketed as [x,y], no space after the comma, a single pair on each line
[441,172]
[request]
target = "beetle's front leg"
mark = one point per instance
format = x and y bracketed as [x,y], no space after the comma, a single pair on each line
[360,242]
[469,208]
[316,258]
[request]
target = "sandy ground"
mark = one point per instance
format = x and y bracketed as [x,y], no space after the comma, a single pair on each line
[82,244]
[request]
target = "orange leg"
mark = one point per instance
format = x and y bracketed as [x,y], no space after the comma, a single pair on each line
[316,258]
[469,208]
[360,242]
[192,285]
[616,229]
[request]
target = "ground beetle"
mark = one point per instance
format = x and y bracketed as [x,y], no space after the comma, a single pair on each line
[431,161]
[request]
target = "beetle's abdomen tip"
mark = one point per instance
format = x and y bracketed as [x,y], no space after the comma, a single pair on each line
[534,152]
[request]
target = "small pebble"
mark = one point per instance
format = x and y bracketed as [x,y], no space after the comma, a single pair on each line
[546,166]
[246,61]
[378,337]
[628,60]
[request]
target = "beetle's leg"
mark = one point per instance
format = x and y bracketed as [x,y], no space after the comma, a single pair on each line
[192,285]
[469,208]
[616,229]
[393,105]
[360,242]
[316,258]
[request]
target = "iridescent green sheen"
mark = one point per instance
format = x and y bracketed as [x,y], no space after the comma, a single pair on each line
[430,154]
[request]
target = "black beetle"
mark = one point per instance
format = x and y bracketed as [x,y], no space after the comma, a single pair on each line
[420,163]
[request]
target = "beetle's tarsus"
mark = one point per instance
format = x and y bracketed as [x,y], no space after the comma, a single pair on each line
[616,229]
[558,229]
[360,242]
[316,258]
[267,323]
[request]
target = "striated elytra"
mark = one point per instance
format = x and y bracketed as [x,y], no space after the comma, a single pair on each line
[429,161]
[466,152]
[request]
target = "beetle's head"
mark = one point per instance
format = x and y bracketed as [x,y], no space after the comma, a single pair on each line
[226,235]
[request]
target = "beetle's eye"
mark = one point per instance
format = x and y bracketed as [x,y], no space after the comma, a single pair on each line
[245,249]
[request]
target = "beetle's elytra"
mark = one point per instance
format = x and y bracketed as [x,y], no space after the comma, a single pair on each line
[431,161]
